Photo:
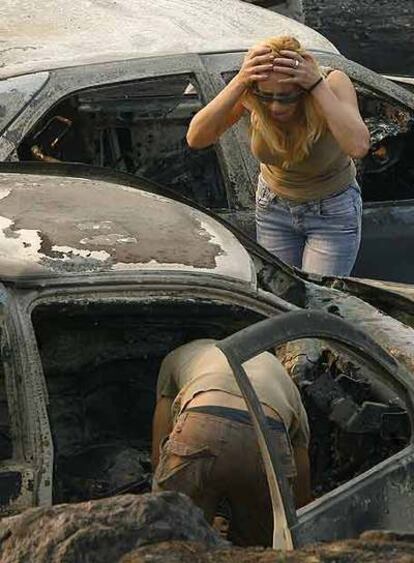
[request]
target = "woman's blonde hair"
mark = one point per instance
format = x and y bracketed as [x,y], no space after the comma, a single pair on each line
[292,144]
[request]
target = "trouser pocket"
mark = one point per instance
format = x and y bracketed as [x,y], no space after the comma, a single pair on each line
[183,467]
[264,196]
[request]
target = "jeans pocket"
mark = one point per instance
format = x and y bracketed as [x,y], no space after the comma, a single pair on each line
[264,196]
[183,467]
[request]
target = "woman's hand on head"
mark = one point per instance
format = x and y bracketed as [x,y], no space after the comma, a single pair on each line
[257,65]
[300,69]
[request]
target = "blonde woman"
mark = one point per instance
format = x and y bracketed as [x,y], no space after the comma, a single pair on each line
[305,130]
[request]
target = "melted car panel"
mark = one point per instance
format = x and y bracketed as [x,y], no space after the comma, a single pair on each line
[67,225]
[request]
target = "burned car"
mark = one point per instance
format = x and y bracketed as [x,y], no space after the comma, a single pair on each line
[118,87]
[99,281]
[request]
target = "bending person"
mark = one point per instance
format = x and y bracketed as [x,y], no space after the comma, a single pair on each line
[209,448]
[305,130]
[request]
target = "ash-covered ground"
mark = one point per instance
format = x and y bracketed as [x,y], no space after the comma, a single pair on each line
[379,34]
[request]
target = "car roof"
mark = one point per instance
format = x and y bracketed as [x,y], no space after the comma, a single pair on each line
[62,226]
[38,37]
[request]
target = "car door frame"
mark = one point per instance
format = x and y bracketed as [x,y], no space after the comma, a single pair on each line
[60,85]
[312,523]
[28,414]
[141,286]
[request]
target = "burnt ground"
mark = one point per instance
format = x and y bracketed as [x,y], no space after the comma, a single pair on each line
[338,552]
[378,34]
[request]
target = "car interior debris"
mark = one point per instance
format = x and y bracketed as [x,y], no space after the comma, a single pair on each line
[101,363]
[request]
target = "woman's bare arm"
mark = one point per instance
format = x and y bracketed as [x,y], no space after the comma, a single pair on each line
[336,97]
[216,117]
[227,108]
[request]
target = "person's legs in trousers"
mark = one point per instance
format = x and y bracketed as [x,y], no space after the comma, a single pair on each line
[333,229]
[274,227]
[210,458]
[187,460]
[276,233]
[245,483]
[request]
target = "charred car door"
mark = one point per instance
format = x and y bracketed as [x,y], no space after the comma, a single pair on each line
[379,498]
[23,429]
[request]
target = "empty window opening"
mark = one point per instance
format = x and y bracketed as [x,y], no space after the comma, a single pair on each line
[136,127]
[387,172]
[101,364]
[356,421]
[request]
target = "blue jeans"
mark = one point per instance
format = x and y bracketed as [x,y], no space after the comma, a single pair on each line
[319,236]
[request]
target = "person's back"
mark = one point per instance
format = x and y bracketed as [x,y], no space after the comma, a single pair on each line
[212,452]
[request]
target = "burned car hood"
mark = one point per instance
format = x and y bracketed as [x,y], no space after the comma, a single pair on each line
[82,32]
[404,289]
[53,226]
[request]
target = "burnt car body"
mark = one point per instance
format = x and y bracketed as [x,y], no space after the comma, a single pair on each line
[118,87]
[405,81]
[100,281]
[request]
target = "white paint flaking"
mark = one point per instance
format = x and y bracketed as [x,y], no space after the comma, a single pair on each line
[240,265]
[70,252]
[101,226]
[23,245]
[21,252]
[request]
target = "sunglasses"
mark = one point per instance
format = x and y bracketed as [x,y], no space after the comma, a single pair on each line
[281,98]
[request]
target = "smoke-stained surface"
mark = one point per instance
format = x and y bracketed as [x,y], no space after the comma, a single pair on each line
[291,8]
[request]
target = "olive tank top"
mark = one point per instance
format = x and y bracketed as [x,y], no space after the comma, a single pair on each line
[326,170]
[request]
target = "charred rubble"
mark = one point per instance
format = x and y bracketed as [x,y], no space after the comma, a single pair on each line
[101,365]
[355,421]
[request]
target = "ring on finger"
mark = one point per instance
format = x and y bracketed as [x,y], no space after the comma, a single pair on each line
[296,63]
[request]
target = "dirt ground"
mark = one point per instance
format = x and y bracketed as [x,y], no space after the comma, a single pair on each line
[164,527]
[339,552]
